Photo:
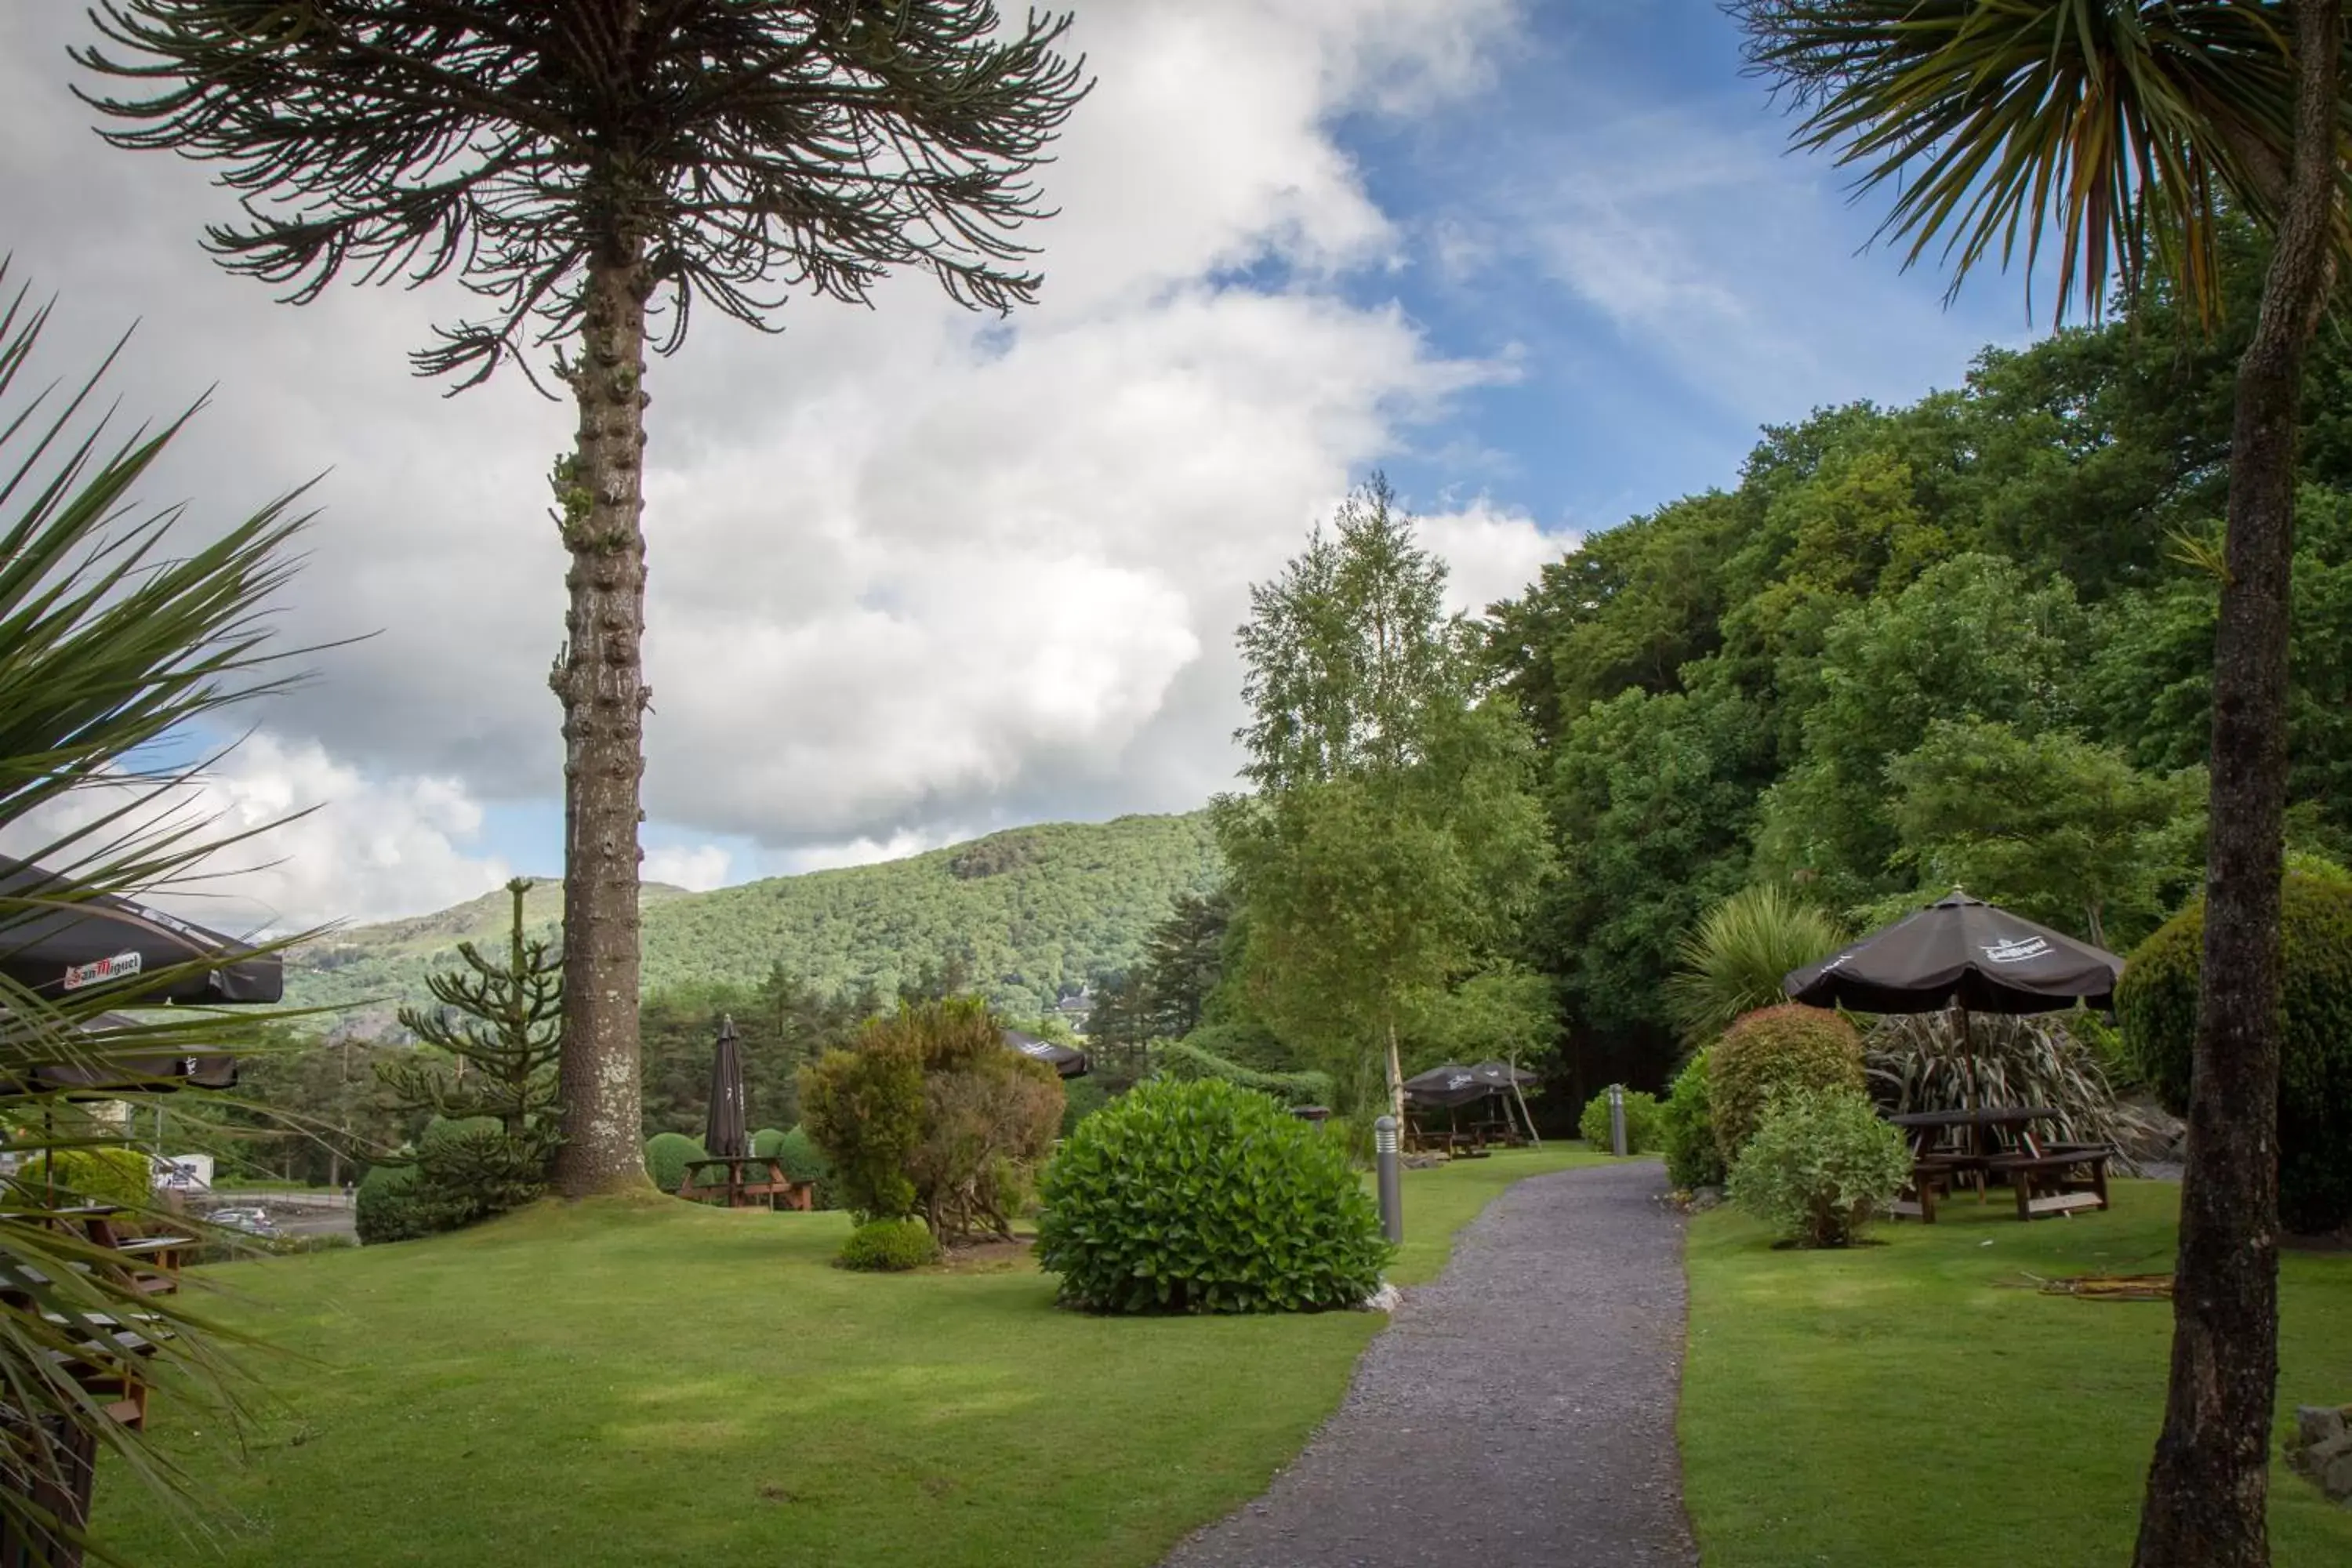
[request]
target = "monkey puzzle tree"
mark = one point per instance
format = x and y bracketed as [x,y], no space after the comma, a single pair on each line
[2119,132]
[591,170]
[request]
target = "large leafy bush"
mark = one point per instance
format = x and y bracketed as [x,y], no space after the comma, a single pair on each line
[1769,1052]
[1643,1132]
[1207,1197]
[101,1174]
[889,1247]
[1918,1062]
[666,1157]
[1687,1130]
[2157,1006]
[462,1172]
[932,1113]
[1819,1164]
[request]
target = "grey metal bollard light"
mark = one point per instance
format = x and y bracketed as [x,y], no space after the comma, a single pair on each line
[1384,1153]
[1617,1118]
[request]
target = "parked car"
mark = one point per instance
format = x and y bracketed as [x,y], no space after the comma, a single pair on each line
[253,1222]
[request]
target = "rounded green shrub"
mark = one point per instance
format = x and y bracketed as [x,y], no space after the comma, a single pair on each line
[766,1142]
[1642,1133]
[1819,1164]
[1204,1197]
[2156,1005]
[1769,1052]
[803,1162]
[666,1157]
[1687,1130]
[97,1174]
[888,1246]
[395,1203]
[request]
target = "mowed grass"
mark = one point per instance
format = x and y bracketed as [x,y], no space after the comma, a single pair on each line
[1907,1404]
[653,1382]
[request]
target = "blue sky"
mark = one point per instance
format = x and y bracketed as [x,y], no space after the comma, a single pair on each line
[916,575]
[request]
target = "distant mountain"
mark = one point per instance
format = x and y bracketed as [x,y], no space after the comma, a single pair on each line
[1030,912]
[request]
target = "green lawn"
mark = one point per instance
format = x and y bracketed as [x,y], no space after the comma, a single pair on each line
[661,1383]
[1904,1405]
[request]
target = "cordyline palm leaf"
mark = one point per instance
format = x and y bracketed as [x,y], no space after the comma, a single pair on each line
[1735,961]
[2119,132]
[115,636]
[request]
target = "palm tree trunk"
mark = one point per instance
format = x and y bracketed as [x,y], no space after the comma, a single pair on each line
[2207,1487]
[600,496]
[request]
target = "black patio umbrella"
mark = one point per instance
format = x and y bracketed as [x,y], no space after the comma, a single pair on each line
[1961,952]
[56,937]
[723,1137]
[1067,1061]
[1504,1076]
[1445,1087]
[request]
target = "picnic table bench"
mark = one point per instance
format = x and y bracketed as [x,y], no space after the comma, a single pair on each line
[1998,1141]
[737,1186]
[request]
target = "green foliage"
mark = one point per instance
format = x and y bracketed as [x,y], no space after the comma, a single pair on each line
[1917,1062]
[1687,1130]
[1206,1197]
[767,1143]
[394,1203]
[1186,1062]
[2156,1004]
[1079,904]
[1081,1099]
[1644,1129]
[889,1247]
[100,1174]
[461,1172]
[1822,1161]
[2059,829]
[931,1111]
[1735,962]
[666,1157]
[1770,1052]
[502,1019]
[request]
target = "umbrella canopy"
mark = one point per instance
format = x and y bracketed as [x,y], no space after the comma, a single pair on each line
[1960,952]
[1442,1088]
[1067,1060]
[89,940]
[112,1076]
[1504,1076]
[722,1131]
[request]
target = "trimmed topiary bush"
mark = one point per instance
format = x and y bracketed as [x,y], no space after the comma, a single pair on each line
[666,1157]
[99,1174]
[1642,1133]
[1207,1197]
[1687,1130]
[1769,1052]
[2156,1004]
[1818,1165]
[767,1143]
[804,1162]
[888,1246]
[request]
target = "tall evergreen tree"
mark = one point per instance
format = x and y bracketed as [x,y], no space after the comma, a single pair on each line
[584,167]
[502,1020]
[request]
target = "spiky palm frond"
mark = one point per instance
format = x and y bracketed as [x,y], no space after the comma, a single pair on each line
[1735,959]
[118,631]
[2117,130]
[1919,1062]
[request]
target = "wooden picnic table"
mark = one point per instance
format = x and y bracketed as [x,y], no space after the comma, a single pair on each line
[739,1186]
[1999,1141]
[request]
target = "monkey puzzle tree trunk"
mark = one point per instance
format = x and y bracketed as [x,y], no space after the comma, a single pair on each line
[600,502]
[2208,1485]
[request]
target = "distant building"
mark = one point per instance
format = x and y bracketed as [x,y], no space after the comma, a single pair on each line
[1075,1010]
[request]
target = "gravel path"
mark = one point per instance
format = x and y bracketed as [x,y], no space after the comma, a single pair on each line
[1517,1414]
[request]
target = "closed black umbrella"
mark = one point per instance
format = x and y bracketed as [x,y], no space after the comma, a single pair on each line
[1069,1061]
[57,938]
[1961,952]
[722,1132]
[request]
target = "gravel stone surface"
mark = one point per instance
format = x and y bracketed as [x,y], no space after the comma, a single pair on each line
[1520,1412]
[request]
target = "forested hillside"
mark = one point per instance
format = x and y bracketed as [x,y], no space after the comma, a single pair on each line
[1969,640]
[1026,913]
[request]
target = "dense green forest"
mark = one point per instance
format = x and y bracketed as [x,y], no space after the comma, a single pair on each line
[1967,641]
[1028,914]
